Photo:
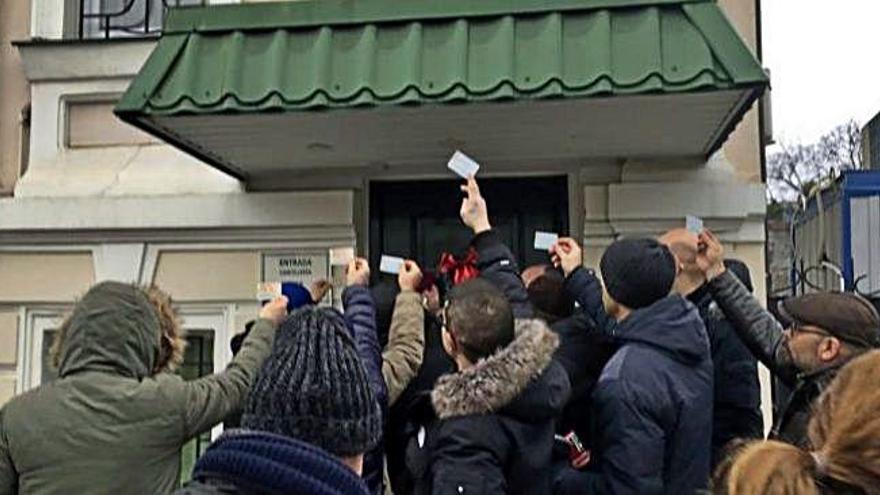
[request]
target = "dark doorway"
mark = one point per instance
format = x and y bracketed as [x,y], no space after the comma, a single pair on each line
[419,219]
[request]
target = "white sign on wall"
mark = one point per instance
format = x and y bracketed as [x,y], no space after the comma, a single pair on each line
[302,267]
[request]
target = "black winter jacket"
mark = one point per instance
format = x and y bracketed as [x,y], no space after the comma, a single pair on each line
[496,422]
[498,266]
[737,394]
[737,402]
[583,352]
[403,419]
[652,407]
[762,334]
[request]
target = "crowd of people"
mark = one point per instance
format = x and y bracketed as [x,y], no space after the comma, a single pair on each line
[640,378]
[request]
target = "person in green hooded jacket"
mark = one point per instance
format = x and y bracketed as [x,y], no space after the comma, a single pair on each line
[116,418]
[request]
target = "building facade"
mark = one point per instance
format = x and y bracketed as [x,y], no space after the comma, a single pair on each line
[871,144]
[101,199]
[14,116]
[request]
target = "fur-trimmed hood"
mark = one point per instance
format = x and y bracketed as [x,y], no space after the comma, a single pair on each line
[521,379]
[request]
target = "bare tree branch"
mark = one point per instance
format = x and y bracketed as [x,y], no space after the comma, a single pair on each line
[796,168]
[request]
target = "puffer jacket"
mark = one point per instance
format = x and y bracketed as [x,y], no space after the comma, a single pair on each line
[360,318]
[762,334]
[496,422]
[652,407]
[583,352]
[737,396]
[107,424]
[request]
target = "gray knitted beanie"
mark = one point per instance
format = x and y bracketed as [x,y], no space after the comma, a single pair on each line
[313,387]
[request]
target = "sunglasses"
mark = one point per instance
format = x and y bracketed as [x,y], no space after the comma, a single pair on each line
[796,329]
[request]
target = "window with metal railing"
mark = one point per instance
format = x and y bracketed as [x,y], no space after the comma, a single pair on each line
[106,19]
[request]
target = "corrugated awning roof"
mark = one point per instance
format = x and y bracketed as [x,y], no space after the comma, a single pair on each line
[332,54]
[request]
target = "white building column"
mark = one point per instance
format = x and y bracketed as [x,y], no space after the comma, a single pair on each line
[119,262]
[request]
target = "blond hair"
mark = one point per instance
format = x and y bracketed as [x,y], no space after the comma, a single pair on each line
[844,432]
[171,332]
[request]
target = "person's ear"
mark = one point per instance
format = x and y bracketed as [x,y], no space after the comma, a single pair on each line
[679,263]
[449,343]
[611,306]
[829,349]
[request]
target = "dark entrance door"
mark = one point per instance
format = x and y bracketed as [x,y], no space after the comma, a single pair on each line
[419,219]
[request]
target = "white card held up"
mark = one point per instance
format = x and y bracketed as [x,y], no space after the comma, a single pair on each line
[545,240]
[694,224]
[266,291]
[341,256]
[463,165]
[390,264]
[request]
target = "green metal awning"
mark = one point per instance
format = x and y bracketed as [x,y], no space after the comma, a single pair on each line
[257,89]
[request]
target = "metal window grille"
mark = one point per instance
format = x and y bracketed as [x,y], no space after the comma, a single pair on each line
[106,19]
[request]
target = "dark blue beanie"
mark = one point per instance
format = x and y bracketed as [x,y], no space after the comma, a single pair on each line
[297,295]
[638,272]
[267,463]
[313,386]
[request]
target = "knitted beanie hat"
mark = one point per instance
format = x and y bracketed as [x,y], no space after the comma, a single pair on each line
[314,388]
[638,272]
[297,295]
[257,462]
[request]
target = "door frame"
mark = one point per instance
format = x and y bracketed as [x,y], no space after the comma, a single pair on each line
[572,174]
[574,190]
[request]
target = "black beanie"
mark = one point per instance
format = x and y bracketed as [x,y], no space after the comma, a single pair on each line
[314,388]
[638,272]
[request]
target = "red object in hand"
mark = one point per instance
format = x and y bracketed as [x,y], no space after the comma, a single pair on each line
[577,454]
[459,270]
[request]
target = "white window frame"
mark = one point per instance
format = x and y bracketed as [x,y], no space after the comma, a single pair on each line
[33,324]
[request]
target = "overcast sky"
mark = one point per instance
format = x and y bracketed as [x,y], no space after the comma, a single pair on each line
[823,57]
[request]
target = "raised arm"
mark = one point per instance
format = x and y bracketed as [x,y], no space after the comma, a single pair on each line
[496,262]
[206,401]
[582,283]
[402,357]
[360,317]
[757,328]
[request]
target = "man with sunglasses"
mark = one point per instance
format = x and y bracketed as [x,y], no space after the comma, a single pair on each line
[824,332]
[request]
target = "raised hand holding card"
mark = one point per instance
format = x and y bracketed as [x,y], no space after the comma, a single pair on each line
[390,264]
[463,165]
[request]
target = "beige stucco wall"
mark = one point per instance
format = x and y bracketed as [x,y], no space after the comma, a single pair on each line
[743,147]
[58,170]
[14,25]
[45,277]
[8,350]
[8,339]
[209,276]
[7,387]
[35,279]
